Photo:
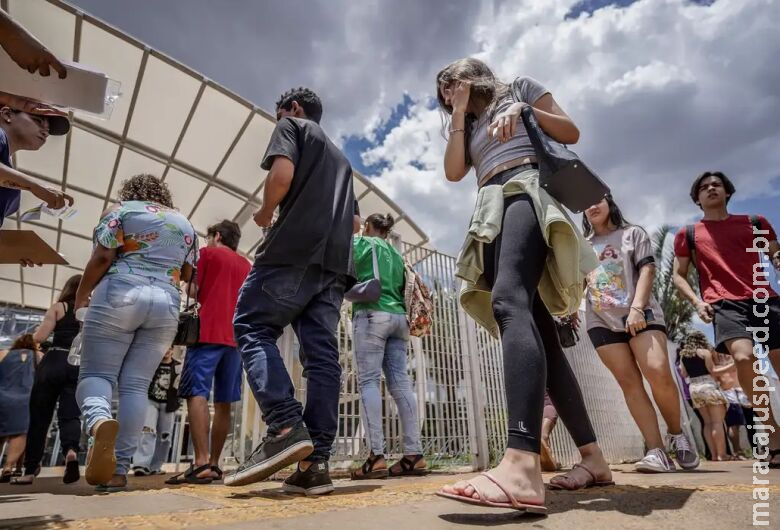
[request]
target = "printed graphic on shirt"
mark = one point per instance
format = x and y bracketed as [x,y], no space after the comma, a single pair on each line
[162,382]
[606,283]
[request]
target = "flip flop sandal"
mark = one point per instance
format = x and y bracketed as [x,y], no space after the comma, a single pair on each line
[592,482]
[190,476]
[407,468]
[101,461]
[72,473]
[513,503]
[17,481]
[367,471]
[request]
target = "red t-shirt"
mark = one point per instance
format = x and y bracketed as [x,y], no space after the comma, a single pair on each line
[725,268]
[221,273]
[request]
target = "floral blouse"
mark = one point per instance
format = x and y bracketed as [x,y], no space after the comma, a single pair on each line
[152,240]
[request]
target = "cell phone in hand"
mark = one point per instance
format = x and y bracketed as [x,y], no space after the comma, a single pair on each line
[648,313]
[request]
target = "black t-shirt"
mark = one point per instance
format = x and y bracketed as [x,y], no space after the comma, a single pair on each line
[314,226]
[9,197]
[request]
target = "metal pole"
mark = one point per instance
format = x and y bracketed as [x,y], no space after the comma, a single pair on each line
[476,405]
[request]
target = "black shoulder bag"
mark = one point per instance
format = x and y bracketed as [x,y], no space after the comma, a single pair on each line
[561,172]
[188,332]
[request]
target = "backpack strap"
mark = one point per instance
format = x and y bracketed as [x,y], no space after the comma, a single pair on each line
[690,240]
[755,222]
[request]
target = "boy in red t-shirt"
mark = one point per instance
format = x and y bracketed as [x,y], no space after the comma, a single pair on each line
[735,290]
[214,360]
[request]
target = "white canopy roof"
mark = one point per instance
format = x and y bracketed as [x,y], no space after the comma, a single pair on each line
[203,140]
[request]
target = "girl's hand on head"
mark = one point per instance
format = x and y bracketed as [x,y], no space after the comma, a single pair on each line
[457,95]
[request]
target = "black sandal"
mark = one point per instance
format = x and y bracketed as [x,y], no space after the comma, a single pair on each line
[220,474]
[72,473]
[191,476]
[367,471]
[407,467]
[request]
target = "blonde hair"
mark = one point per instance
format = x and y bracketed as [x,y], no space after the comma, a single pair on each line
[695,340]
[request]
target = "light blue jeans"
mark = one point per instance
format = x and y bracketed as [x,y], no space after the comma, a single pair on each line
[130,324]
[155,438]
[380,343]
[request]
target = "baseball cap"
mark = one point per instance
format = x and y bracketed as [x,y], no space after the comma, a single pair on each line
[59,123]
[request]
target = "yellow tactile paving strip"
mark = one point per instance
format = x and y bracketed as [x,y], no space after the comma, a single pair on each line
[267,501]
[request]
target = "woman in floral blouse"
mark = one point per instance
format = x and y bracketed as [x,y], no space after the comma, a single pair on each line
[143,247]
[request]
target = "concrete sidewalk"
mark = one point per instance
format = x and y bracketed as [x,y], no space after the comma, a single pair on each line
[717,496]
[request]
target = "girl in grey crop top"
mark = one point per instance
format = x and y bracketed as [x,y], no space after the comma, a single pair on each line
[488,153]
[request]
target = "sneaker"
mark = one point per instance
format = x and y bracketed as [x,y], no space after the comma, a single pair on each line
[140,471]
[686,455]
[314,481]
[273,454]
[656,461]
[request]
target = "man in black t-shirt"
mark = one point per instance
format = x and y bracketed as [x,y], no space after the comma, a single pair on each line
[301,271]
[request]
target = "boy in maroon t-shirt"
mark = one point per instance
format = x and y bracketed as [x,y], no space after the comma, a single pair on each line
[735,290]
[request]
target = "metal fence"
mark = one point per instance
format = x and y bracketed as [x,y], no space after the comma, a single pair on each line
[458,375]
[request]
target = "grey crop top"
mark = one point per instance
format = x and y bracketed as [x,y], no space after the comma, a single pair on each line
[488,153]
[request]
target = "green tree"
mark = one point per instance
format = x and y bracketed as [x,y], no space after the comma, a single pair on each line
[678,312]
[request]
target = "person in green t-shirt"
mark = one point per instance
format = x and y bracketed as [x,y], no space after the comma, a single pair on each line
[381,334]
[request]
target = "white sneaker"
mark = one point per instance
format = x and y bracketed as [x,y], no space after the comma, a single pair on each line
[686,454]
[656,461]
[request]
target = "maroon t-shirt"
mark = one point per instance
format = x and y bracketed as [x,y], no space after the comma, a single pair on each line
[725,268]
[221,273]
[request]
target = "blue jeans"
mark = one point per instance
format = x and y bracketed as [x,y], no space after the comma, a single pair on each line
[309,299]
[130,324]
[155,440]
[380,343]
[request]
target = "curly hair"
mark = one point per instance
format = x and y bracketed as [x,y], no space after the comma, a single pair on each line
[146,188]
[306,98]
[695,340]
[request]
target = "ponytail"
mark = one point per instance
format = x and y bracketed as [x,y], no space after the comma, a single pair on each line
[381,223]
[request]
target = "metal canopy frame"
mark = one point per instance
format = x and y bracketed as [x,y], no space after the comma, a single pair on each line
[33,14]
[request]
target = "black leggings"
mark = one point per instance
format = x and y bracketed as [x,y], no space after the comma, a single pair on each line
[55,380]
[533,356]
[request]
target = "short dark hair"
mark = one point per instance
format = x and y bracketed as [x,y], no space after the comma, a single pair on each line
[727,185]
[306,98]
[229,233]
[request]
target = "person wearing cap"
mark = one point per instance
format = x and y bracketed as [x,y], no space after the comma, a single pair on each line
[25,125]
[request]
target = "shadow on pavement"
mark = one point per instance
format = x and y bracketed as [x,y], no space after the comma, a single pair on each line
[277,494]
[629,500]
[39,521]
[55,486]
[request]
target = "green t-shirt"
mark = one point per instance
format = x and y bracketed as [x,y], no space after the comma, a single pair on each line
[391,273]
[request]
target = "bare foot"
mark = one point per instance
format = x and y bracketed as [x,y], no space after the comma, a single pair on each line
[519,472]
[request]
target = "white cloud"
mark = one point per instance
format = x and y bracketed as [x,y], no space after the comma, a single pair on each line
[661,90]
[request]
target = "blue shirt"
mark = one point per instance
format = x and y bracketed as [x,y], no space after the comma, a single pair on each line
[9,197]
[151,240]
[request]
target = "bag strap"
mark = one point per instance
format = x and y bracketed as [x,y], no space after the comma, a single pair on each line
[374,263]
[194,279]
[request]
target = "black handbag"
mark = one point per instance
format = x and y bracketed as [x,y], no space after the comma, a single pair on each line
[188,332]
[566,332]
[369,290]
[561,172]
